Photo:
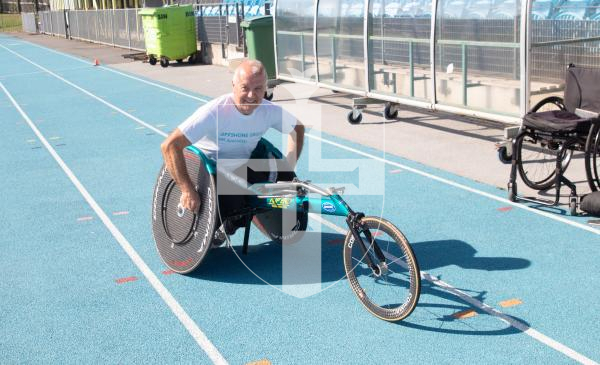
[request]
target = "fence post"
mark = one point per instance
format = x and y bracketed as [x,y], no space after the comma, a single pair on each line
[127,27]
[464,72]
[112,25]
[412,69]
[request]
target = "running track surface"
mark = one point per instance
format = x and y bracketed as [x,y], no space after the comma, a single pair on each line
[82,282]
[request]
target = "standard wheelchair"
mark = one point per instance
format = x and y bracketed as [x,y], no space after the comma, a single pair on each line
[547,140]
[378,260]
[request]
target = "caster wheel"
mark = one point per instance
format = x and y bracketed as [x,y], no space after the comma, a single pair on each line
[503,155]
[193,58]
[164,62]
[387,112]
[352,120]
[152,60]
[268,95]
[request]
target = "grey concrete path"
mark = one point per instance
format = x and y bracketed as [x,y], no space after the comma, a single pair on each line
[461,145]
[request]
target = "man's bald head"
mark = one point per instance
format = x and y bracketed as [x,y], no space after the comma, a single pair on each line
[249,69]
[249,86]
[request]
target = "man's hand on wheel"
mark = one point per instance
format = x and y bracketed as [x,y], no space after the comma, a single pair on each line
[190,200]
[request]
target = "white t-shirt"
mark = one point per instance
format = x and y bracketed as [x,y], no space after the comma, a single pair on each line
[224,134]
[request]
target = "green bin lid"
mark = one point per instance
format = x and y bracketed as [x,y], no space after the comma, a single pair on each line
[258,21]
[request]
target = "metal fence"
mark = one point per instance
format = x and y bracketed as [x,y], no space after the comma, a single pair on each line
[215,23]
[114,27]
[28,22]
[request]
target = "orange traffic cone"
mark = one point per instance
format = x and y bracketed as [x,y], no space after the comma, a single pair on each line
[96,62]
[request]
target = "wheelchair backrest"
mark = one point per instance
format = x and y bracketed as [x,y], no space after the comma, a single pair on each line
[582,89]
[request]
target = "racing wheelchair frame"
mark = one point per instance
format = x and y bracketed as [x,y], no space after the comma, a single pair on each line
[378,260]
[547,140]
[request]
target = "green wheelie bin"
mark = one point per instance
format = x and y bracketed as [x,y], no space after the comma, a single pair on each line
[170,34]
[259,42]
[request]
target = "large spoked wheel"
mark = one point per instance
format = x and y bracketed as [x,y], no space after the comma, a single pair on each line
[592,158]
[391,290]
[182,237]
[536,160]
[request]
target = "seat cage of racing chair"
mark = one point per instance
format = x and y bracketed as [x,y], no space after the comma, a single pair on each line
[579,108]
[263,150]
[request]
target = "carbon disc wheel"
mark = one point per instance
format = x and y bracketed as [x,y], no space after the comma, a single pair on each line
[182,237]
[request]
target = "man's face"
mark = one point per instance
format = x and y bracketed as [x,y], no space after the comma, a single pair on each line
[248,92]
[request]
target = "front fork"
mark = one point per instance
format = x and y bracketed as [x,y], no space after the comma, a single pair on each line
[357,227]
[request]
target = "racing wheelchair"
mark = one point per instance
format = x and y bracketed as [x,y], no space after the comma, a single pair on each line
[378,260]
[551,133]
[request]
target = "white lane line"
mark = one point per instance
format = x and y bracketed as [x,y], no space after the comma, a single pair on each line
[530,332]
[484,307]
[149,126]
[416,171]
[199,336]
[121,73]
[457,185]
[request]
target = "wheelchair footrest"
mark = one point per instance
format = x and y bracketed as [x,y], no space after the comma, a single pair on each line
[591,204]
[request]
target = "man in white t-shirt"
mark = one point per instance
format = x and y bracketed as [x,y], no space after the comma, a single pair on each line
[228,129]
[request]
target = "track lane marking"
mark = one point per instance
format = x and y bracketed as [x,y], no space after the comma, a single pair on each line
[351,149]
[516,324]
[195,331]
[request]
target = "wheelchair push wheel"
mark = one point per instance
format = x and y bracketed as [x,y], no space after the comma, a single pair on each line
[592,158]
[389,288]
[182,237]
[536,160]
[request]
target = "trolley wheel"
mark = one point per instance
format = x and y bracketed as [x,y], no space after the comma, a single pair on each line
[183,238]
[269,95]
[536,160]
[391,289]
[352,120]
[503,155]
[152,60]
[193,58]
[180,60]
[592,157]
[164,62]
[387,114]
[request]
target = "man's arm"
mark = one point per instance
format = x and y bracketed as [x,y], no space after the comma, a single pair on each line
[295,143]
[172,151]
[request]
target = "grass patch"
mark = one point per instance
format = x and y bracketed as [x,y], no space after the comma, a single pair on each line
[10,23]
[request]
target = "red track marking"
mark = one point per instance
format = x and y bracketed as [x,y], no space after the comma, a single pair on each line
[168,272]
[124,212]
[126,280]
[504,209]
[182,263]
[87,218]
[465,314]
[260,362]
[335,241]
[510,302]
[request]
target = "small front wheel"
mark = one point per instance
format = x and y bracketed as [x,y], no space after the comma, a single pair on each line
[387,112]
[388,288]
[152,60]
[352,119]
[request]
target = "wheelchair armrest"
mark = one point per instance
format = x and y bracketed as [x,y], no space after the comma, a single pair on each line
[556,100]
